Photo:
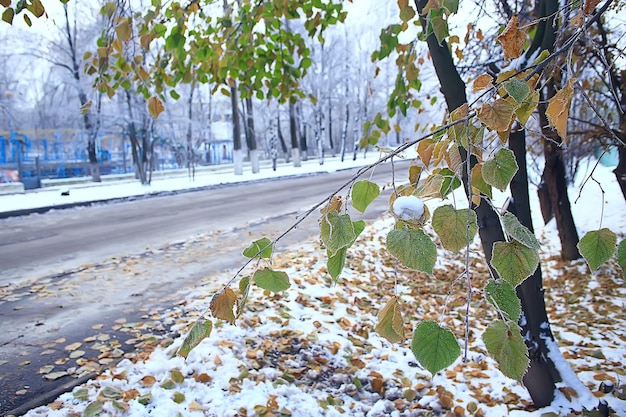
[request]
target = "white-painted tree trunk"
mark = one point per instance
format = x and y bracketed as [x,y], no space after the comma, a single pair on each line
[254,161]
[238,161]
[295,155]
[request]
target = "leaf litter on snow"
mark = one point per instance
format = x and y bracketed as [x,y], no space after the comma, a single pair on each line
[313,350]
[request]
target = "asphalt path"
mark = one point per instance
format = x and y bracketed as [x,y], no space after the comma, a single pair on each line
[40,244]
[66,272]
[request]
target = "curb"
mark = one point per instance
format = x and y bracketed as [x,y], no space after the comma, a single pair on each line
[45,209]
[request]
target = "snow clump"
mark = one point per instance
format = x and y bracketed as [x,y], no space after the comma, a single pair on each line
[408,208]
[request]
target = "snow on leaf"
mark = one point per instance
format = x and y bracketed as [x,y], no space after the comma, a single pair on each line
[451,226]
[337,231]
[558,108]
[497,115]
[408,208]
[222,305]
[390,324]
[434,347]
[274,281]
[500,170]
[597,247]
[519,232]
[155,107]
[512,39]
[262,248]
[200,330]
[621,256]
[513,261]
[501,295]
[482,82]
[506,346]
[518,89]
[363,193]
[413,248]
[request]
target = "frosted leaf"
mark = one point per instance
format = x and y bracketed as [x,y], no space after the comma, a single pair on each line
[408,208]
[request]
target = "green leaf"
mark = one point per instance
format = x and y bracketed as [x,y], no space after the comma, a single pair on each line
[501,295]
[363,193]
[518,89]
[527,108]
[337,231]
[450,182]
[244,288]
[200,331]
[8,15]
[506,346]
[94,408]
[413,248]
[513,261]
[262,248]
[175,41]
[451,226]
[500,170]
[390,324]
[515,230]
[434,347]
[597,247]
[621,256]
[435,23]
[274,281]
[337,261]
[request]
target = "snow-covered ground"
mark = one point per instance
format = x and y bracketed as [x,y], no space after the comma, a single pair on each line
[313,351]
[85,192]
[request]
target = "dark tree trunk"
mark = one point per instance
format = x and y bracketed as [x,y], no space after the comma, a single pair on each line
[281,139]
[235,119]
[293,134]
[542,376]
[620,170]
[555,181]
[330,127]
[541,383]
[344,133]
[250,132]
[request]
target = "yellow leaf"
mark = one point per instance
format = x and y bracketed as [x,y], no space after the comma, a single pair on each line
[481,82]
[590,6]
[558,109]
[425,150]
[527,108]
[123,30]
[497,116]
[453,158]
[390,324]
[222,305]
[512,39]
[155,107]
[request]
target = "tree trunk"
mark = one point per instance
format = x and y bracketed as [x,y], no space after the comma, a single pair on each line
[302,127]
[344,133]
[251,136]
[542,376]
[281,139]
[620,170]
[293,133]
[330,127]
[237,152]
[541,383]
[555,181]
